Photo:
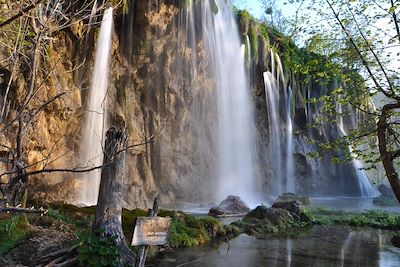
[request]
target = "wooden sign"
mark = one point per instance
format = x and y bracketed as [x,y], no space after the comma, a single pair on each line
[152,231]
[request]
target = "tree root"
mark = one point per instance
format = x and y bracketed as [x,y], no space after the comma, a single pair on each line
[61,258]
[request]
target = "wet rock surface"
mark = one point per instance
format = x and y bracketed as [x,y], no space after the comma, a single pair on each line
[281,217]
[296,209]
[285,197]
[232,205]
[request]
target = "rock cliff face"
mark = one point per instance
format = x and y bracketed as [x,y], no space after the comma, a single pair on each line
[161,89]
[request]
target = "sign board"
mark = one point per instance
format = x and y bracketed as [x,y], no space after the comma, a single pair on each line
[151,231]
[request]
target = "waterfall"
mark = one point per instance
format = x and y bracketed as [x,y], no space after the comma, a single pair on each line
[290,183]
[274,142]
[279,105]
[209,83]
[94,127]
[234,112]
[364,183]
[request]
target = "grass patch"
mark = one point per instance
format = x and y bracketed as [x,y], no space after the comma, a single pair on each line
[376,219]
[11,231]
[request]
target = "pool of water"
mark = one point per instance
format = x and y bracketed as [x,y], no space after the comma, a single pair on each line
[334,203]
[351,204]
[320,246]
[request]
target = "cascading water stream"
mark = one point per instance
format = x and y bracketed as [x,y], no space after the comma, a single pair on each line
[274,149]
[280,149]
[236,173]
[208,30]
[290,178]
[94,127]
[364,183]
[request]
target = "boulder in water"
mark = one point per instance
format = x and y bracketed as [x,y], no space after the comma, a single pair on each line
[395,241]
[272,215]
[232,205]
[296,209]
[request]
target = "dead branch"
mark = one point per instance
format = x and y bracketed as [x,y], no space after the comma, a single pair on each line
[24,210]
[20,14]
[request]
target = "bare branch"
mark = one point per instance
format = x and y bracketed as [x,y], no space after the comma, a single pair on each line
[23,11]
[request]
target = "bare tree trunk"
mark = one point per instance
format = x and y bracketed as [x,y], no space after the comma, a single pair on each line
[108,219]
[17,184]
[387,157]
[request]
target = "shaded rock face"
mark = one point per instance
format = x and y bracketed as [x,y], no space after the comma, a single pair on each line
[386,191]
[166,90]
[231,205]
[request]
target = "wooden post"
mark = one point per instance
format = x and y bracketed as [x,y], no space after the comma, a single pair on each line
[144,250]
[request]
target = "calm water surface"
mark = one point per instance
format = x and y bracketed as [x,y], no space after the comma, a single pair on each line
[323,246]
[319,246]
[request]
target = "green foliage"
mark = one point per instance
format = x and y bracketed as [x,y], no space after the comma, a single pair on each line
[11,231]
[377,219]
[253,37]
[244,21]
[56,214]
[81,217]
[96,251]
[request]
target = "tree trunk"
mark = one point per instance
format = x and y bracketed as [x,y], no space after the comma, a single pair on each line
[108,221]
[18,183]
[386,156]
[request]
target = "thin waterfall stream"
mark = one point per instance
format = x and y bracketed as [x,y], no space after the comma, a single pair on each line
[279,105]
[364,183]
[96,121]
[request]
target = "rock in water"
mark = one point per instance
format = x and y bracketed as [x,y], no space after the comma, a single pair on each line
[286,197]
[230,206]
[296,209]
[274,216]
[396,241]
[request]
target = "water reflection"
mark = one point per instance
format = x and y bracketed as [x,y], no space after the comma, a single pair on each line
[320,246]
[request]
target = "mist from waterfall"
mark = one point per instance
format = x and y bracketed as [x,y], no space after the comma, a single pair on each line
[94,127]
[280,148]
